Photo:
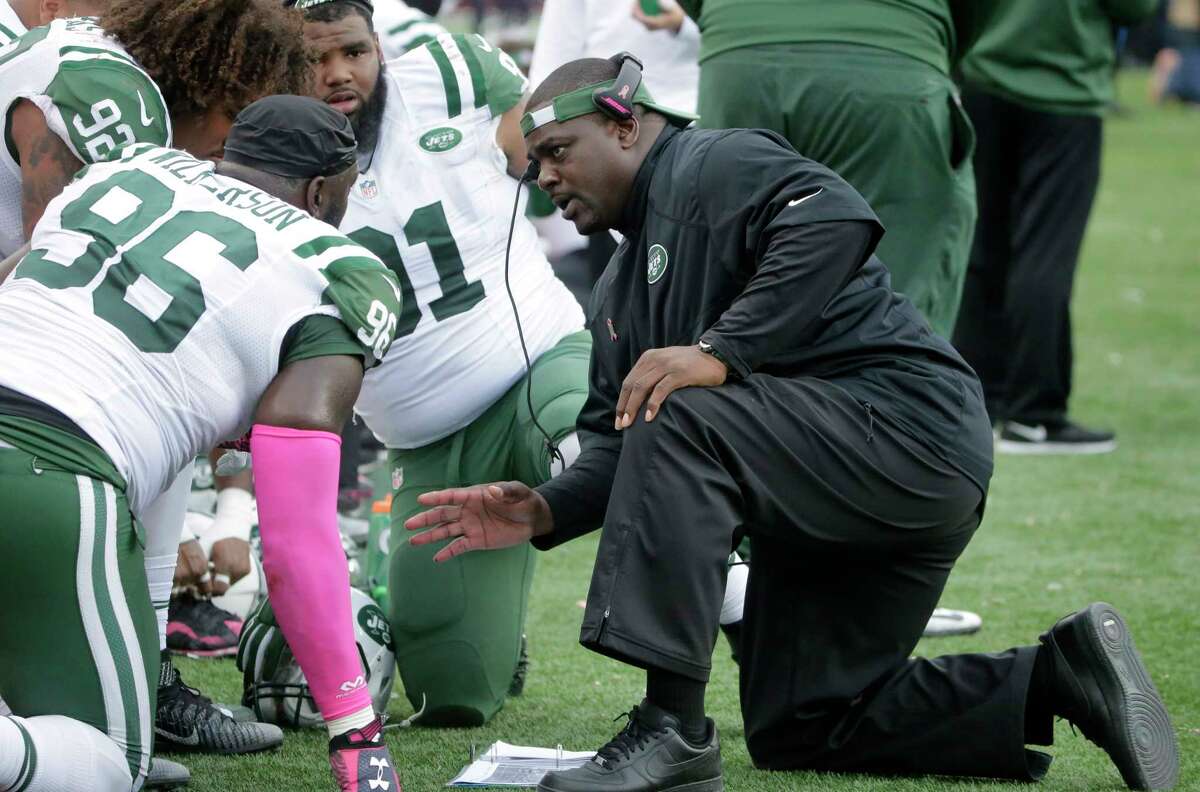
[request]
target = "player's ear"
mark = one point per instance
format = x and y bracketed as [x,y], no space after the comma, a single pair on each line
[314,197]
[628,132]
[51,10]
[379,50]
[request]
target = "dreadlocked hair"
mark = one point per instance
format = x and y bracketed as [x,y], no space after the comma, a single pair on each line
[207,54]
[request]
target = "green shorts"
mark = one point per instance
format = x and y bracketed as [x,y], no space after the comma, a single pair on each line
[78,635]
[890,125]
[458,625]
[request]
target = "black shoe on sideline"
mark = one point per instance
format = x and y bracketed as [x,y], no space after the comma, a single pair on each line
[1015,437]
[187,721]
[1102,687]
[648,755]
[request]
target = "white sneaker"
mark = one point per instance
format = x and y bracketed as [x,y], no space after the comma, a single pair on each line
[945,621]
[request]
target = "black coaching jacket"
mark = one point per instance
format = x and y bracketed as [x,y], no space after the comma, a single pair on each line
[733,238]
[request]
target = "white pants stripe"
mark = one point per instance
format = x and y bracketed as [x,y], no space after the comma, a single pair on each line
[128,634]
[96,565]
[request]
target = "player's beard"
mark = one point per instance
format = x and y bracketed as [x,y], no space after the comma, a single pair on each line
[369,118]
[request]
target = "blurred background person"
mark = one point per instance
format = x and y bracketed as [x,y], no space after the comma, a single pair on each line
[667,42]
[1177,66]
[1037,83]
[862,86]
[403,26]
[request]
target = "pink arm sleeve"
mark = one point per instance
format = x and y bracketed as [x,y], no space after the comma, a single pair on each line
[296,481]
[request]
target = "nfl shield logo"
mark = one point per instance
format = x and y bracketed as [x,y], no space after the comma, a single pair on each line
[369,189]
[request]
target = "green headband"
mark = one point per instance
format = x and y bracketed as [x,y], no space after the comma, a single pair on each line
[579,102]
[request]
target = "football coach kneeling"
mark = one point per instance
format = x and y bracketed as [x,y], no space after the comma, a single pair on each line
[754,374]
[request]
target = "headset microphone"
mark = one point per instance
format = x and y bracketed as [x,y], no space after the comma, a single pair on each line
[530,175]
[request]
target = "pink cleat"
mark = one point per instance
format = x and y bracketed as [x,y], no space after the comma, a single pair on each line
[361,762]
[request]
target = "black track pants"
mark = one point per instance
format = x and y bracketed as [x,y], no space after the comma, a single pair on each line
[855,527]
[1037,175]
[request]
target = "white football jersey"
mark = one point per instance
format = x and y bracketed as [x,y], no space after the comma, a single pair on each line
[401,27]
[10,24]
[153,306]
[92,93]
[435,205]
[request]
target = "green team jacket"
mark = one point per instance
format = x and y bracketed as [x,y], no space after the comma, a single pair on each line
[935,32]
[1056,57]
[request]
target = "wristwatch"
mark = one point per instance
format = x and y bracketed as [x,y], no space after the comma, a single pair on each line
[709,349]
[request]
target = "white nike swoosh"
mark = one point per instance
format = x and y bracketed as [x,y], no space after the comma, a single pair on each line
[1036,434]
[146,119]
[191,739]
[799,201]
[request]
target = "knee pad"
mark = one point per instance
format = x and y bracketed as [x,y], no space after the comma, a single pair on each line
[569,450]
[558,390]
[557,413]
[458,629]
[71,756]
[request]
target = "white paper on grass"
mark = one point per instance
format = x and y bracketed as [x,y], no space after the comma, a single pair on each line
[504,765]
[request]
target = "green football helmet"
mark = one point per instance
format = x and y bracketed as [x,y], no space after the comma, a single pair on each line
[275,687]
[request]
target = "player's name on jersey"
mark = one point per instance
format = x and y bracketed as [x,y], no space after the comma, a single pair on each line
[200,173]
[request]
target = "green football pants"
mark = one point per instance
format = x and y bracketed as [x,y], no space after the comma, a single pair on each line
[458,626]
[77,632]
[891,126]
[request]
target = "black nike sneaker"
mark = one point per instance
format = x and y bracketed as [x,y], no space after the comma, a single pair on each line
[1065,437]
[187,721]
[1102,687]
[165,774]
[648,755]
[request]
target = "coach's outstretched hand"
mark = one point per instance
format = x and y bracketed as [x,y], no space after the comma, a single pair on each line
[486,517]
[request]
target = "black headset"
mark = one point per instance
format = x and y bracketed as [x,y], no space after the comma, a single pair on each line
[617,101]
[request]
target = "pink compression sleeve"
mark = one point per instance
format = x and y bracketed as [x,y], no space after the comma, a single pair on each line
[296,481]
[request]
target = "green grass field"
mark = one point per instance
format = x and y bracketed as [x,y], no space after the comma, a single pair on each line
[1059,532]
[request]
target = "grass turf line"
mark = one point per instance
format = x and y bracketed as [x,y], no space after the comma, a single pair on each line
[1058,534]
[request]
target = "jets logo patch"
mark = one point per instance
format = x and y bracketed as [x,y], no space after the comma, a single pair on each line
[656,263]
[439,140]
